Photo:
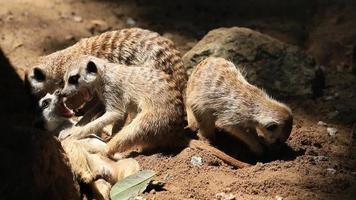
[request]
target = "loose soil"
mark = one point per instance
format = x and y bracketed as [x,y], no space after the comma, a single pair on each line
[313,164]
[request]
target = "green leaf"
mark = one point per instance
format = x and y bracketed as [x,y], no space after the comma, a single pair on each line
[131,186]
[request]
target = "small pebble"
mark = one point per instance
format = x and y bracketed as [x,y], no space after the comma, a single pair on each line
[331,131]
[277,197]
[331,170]
[320,158]
[321,123]
[333,115]
[224,196]
[196,161]
[130,21]
[139,198]
[328,98]
[167,177]
[77,19]
[69,37]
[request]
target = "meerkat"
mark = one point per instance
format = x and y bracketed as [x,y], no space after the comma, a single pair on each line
[127,47]
[218,96]
[84,155]
[146,93]
[55,119]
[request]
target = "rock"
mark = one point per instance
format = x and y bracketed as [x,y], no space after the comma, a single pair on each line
[139,198]
[277,197]
[333,115]
[69,38]
[320,158]
[196,161]
[168,177]
[331,131]
[77,19]
[321,123]
[331,170]
[280,68]
[130,21]
[225,196]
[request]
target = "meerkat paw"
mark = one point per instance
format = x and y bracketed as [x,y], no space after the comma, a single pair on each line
[69,133]
[101,189]
[257,149]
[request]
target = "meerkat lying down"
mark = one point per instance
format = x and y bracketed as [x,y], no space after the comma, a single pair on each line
[145,93]
[85,155]
[218,96]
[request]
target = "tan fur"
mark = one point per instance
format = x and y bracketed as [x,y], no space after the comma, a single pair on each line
[218,96]
[133,46]
[85,155]
[150,94]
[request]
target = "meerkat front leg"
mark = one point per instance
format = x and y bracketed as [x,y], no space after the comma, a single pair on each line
[92,114]
[109,117]
[251,139]
[206,125]
[136,133]
[192,121]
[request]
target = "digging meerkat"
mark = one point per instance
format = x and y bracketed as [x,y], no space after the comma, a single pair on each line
[145,93]
[84,155]
[218,96]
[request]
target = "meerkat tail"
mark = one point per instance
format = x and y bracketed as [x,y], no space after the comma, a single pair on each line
[218,153]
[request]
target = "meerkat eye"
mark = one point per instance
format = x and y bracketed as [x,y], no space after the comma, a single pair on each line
[73,79]
[91,67]
[39,75]
[45,103]
[271,127]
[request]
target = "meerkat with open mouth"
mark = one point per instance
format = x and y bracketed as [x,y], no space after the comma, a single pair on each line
[85,155]
[147,94]
[218,96]
[127,47]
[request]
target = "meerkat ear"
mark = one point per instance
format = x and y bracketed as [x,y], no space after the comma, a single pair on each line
[92,68]
[38,74]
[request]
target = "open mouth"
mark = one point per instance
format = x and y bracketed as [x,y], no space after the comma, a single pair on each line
[86,94]
[64,111]
[77,101]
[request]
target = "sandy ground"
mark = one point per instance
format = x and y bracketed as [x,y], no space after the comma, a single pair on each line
[313,165]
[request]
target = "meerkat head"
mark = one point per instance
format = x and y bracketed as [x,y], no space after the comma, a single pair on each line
[53,110]
[273,120]
[40,80]
[82,77]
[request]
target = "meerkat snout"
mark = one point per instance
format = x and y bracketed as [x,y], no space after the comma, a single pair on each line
[275,125]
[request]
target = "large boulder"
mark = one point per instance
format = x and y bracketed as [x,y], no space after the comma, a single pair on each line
[281,69]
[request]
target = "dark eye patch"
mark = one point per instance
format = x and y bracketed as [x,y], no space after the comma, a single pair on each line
[45,103]
[272,127]
[39,75]
[73,79]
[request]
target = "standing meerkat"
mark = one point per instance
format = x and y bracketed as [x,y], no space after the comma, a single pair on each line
[147,94]
[133,46]
[218,96]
